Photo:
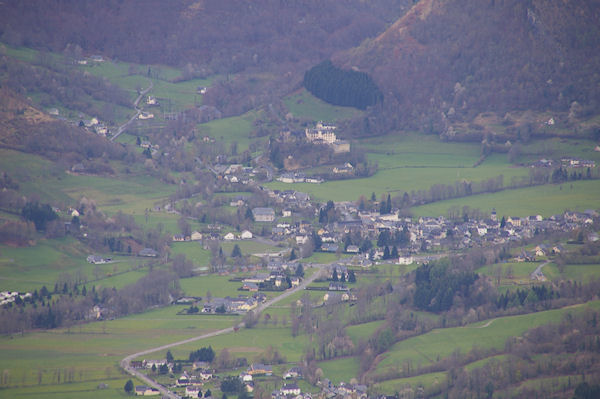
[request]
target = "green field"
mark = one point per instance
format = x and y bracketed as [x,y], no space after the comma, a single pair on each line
[339,370]
[29,268]
[520,272]
[302,104]
[398,385]
[440,343]
[90,353]
[193,251]
[218,286]
[544,200]
[229,130]
[400,179]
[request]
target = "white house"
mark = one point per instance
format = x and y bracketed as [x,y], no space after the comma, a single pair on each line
[192,391]
[229,237]
[196,236]
[405,260]
[145,115]
[246,235]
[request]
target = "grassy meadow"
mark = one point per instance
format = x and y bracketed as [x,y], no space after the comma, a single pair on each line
[302,104]
[440,343]
[89,354]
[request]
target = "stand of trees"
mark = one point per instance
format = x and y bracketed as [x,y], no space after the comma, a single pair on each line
[437,285]
[342,87]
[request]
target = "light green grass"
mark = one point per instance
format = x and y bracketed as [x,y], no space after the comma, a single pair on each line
[94,350]
[218,286]
[235,128]
[339,370]
[397,181]
[193,251]
[398,385]
[363,331]
[582,273]
[249,247]
[544,200]
[521,272]
[30,268]
[73,390]
[302,104]
[440,343]
[250,342]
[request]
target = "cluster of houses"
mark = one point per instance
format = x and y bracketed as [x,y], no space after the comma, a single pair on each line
[233,305]
[298,177]
[276,279]
[235,173]
[566,162]
[342,390]
[427,233]
[7,297]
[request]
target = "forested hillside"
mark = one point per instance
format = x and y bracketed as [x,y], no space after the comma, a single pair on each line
[455,59]
[220,36]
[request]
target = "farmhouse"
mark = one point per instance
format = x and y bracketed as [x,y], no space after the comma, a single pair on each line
[97,260]
[192,391]
[142,390]
[196,236]
[290,389]
[263,214]
[149,252]
[229,237]
[259,369]
[246,235]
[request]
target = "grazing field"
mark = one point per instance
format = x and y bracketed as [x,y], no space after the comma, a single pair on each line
[342,369]
[249,343]
[218,286]
[83,356]
[233,129]
[363,331]
[440,343]
[193,251]
[424,380]
[544,200]
[516,273]
[398,180]
[249,247]
[582,273]
[302,104]
[30,268]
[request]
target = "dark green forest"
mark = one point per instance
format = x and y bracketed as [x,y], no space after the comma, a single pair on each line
[342,87]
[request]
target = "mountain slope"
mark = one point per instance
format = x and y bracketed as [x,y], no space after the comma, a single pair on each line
[474,56]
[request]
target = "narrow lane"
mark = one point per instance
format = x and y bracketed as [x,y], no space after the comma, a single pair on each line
[126,362]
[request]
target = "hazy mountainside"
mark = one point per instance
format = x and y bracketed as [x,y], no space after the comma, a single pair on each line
[25,128]
[460,58]
[212,35]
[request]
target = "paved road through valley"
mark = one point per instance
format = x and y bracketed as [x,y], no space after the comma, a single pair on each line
[126,362]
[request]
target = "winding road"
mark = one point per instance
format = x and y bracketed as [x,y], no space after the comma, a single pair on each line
[537,273]
[138,111]
[126,362]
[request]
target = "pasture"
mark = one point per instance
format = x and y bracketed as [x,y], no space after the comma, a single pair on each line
[302,104]
[440,343]
[342,369]
[546,200]
[72,362]
[29,268]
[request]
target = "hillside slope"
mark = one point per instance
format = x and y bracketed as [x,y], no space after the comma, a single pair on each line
[224,36]
[461,58]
